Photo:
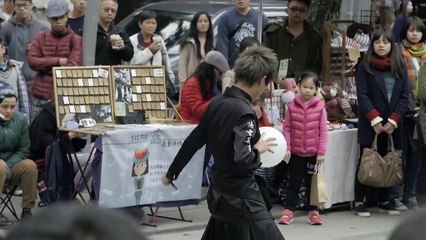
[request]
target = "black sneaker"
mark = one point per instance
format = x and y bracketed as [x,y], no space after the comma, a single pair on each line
[362,211]
[389,208]
[26,213]
[4,221]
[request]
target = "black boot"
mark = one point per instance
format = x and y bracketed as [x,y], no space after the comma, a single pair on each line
[26,213]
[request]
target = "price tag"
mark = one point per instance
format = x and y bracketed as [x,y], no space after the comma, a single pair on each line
[133,71]
[162,106]
[72,109]
[90,82]
[95,73]
[138,89]
[158,72]
[148,80]
[58,73]
[103,73]
[66,100]
[148,97]
[80,82]
[83,109]
[134,98]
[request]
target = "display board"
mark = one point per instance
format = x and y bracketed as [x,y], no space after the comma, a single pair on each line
[83,92]
[138,88]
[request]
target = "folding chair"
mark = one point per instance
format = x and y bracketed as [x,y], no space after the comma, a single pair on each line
[6,201]
[81,168]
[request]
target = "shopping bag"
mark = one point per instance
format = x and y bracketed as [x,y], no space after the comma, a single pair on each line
[319,190]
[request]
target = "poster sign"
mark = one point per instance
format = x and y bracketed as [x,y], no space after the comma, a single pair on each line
[135,159]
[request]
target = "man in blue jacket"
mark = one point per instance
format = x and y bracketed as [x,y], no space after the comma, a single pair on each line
[235,25]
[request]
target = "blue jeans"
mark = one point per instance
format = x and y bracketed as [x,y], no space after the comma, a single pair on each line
[412,161]
[411,172]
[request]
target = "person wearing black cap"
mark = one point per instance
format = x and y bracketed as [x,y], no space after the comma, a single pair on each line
[238,209]
[15,167]
[199,89]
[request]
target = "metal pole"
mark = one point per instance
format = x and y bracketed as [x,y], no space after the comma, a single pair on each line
[90,30]
[260,22]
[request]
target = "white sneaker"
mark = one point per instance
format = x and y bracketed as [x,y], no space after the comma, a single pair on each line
[412,204]
[18,192]
[399,205]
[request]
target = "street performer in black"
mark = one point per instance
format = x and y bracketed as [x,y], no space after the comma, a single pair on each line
[229,126]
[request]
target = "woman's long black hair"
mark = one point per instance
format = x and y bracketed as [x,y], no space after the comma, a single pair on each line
[193,33]
[397,61]
[205,72]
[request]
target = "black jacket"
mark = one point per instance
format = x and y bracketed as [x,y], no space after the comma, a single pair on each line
[229,126]
[43,132]
[304,52]
[373,102]
[105,55]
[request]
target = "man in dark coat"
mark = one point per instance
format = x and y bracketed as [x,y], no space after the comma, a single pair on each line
[112,43]
[297,44]
[230,127]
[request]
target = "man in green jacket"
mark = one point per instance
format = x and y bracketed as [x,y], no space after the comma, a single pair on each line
[15,167]
[297,44]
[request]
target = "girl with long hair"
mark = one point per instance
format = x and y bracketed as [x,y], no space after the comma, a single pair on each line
[199,89]
[196,45]
[383,98]
[405,10]
[413,46]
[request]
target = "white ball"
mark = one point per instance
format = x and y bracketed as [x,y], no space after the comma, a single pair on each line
[267,158]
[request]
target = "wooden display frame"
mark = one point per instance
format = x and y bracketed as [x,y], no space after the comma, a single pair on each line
[137,88]
[84,91]
[337,65]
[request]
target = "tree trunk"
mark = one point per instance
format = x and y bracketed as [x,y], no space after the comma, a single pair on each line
[322,11]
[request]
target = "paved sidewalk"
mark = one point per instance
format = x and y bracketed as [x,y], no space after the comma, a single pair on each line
[338,224]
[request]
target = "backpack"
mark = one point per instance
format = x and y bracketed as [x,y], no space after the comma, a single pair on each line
[57,184]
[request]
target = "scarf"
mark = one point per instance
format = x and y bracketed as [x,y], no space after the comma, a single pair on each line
[382,63]
[141,43]
[4,66]
[414,56]
[417,50]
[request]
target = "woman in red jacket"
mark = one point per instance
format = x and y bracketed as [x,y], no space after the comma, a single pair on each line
[199,89]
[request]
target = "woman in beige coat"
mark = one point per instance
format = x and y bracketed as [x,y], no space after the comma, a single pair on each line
[196,45]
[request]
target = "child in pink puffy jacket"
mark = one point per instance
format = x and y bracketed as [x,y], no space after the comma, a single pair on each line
[305,130]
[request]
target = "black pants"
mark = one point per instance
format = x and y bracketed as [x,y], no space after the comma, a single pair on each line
[300,168]
[361,189]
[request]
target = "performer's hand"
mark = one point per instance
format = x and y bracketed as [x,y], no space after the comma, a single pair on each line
[378,128]
[287,157]
[389,128]
[165,180]
[264,145]
[320,159]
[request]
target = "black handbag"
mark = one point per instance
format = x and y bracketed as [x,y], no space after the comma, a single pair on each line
[420,120]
